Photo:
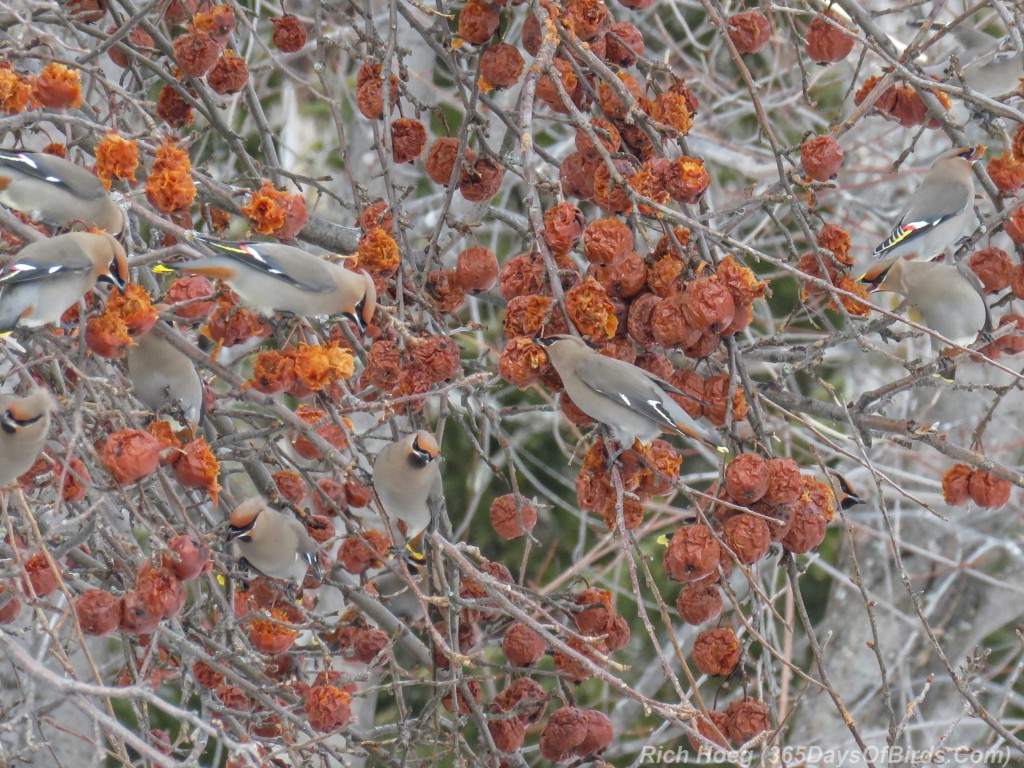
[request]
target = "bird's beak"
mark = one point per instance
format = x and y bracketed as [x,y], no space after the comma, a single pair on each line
[976,152]
[115,280]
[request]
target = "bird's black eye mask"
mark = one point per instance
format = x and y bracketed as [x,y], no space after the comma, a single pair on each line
[242,532]
[10,423]
[356,316]
[419,459]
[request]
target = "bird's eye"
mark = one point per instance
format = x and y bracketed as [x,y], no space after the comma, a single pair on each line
[8,423]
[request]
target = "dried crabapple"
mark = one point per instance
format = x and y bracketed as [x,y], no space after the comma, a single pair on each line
[716,651]
[749,31]
[828,40]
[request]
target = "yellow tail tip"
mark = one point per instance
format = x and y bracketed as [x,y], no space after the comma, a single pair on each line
[161,269]
[417,557]
[663,540]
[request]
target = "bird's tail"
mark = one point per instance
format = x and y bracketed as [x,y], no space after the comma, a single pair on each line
[414,556]
[313,559]
[695,432]
[899,233]
[8,340]
[686,426]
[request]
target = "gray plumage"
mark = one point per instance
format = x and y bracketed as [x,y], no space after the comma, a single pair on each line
[630,400]
[949,299]
[407,479]
[49,276]
[271,278]
[397,597]
[274,543]
[164,379]
[56,192]
[938,212]
[991,66]
[24,423]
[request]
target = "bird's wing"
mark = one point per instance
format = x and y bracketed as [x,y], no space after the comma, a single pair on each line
[618,381]
[307,546]
[37,166]
[1000,57]
[435,498]
[976,42]
[273,260]
[937,202]
[62,261]
[975,282]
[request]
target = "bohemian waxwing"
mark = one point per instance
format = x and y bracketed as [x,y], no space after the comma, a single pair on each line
[948,298]
[393,592]
[48,276]
[939,211]
[630,400]
[991,66]
[24,422]
[407,479]
[274,543]
[164,379]
[844,491]
[271,278]
[57,192]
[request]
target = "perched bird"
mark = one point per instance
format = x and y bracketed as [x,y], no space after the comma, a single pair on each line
[393,594]
[938,212]
[407,479]
[991,66]
[24,422]
[844,491]
[165,379]
[274,543]
[48,276]
[271,278]
[948,298]
[57,192]
[630,400]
